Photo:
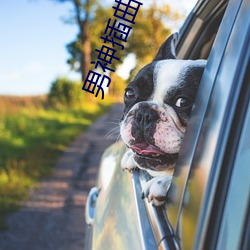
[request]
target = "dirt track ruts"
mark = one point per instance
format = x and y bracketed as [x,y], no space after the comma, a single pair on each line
[53,218]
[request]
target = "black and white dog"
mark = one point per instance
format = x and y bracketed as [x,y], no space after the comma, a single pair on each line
[158,103]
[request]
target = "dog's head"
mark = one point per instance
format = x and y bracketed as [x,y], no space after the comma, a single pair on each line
[158,103]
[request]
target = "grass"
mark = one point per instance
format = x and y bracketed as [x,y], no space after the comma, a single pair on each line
[31,139]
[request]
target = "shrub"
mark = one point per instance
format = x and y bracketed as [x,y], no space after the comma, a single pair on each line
[65,92]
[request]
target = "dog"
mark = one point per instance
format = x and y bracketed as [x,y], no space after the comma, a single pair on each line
[158,102]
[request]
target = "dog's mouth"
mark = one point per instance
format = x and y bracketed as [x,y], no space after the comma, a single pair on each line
[149,152]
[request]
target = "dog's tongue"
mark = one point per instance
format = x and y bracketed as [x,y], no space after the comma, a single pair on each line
[145,149]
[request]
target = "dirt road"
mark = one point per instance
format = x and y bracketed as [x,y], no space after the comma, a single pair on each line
[53,218]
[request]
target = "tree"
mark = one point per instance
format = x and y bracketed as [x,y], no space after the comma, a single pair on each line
[96,30]
[83,16]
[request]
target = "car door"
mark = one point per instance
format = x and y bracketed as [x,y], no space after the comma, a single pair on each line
[209,179]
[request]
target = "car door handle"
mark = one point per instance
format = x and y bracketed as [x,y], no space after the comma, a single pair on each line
[91,205]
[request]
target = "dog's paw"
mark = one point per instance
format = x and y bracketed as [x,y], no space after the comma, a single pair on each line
[156,189]
[127,162]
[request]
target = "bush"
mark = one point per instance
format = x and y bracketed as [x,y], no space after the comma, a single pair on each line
[65,92]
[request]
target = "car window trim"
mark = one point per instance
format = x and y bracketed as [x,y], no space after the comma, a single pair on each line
[161,227]
[145,224]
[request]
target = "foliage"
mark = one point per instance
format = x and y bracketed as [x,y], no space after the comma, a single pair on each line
[31,138]
[148,35]
[74,49]
[65,92]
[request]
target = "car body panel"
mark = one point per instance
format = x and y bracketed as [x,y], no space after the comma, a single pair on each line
[117,224]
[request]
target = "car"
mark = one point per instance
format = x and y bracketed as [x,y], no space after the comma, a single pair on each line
[208,203]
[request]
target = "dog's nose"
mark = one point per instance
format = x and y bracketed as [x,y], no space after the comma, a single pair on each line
[145,117]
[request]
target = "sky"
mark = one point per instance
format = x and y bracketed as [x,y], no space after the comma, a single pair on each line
[32,44]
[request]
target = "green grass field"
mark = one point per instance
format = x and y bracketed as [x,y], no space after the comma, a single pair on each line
[31,139]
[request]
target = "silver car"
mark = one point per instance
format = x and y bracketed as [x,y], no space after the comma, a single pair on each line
[208,203]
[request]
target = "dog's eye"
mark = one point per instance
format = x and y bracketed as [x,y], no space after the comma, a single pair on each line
[183,102]
[130,94]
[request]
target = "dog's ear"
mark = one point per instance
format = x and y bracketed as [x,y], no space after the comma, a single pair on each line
[167,49]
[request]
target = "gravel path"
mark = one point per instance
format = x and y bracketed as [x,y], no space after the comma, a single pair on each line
[53,218]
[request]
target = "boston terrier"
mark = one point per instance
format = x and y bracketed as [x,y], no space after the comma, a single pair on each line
[158,102]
